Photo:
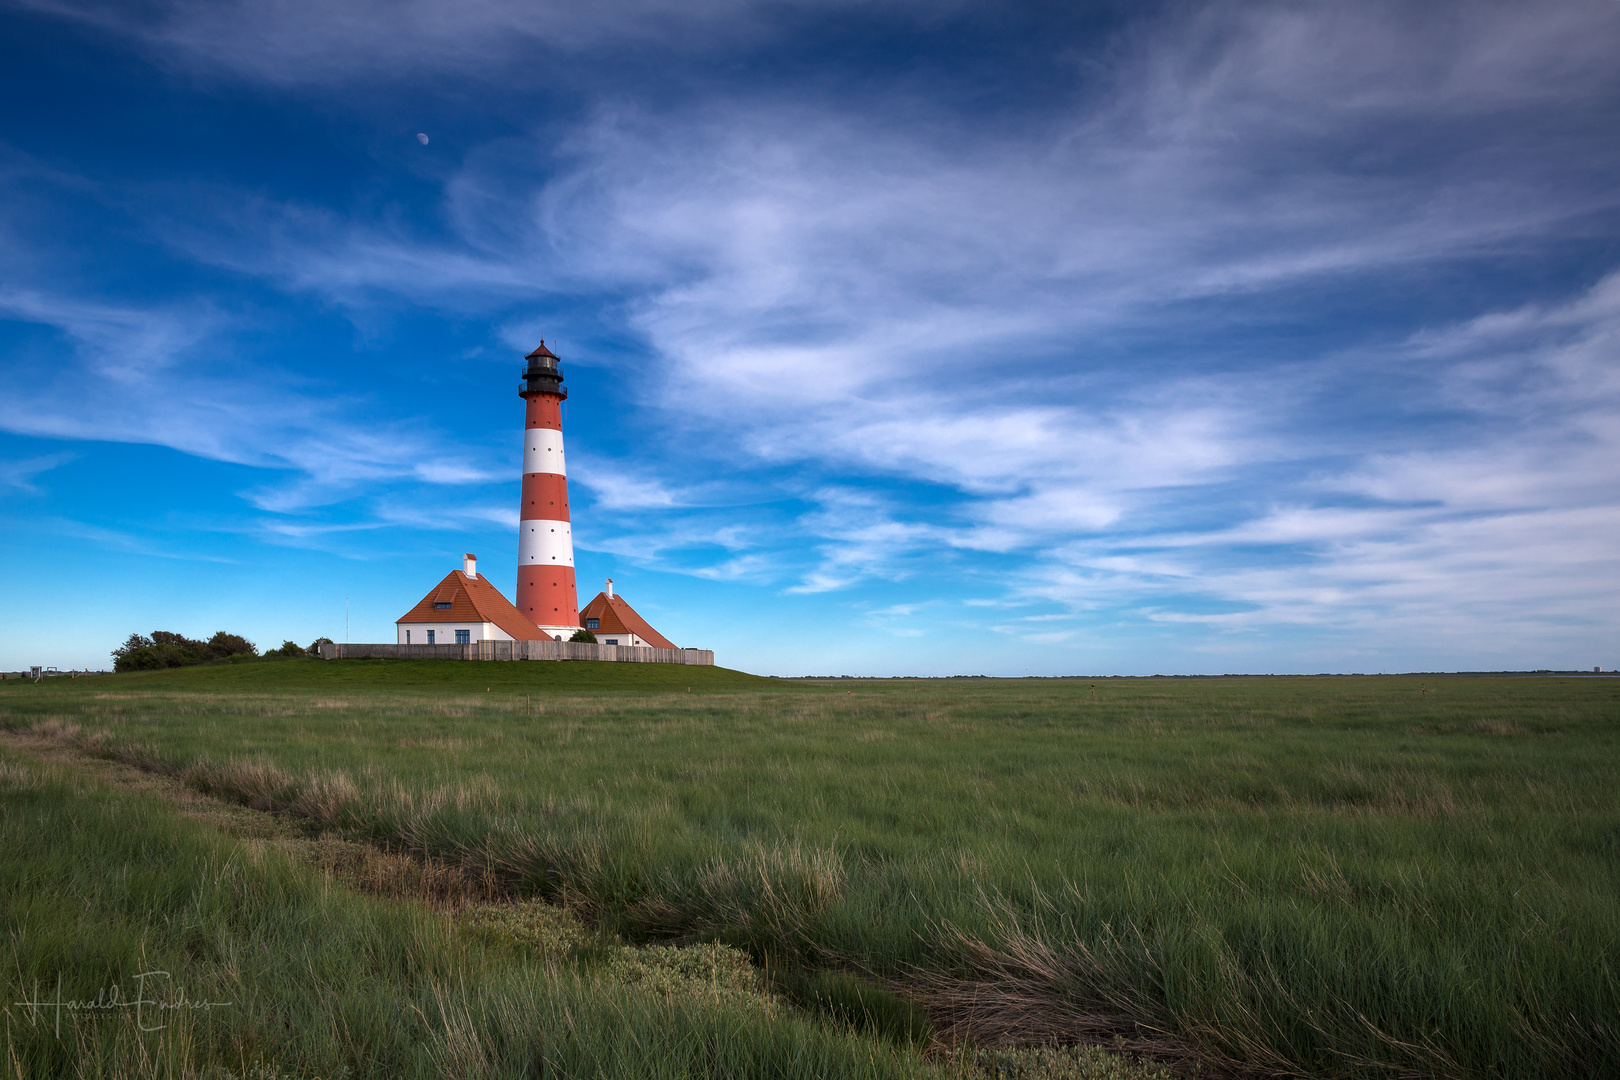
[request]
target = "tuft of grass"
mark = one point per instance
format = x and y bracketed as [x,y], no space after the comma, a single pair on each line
[856,1002]
[256,783]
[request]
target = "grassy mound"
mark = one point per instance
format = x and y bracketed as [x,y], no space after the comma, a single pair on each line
[536,676]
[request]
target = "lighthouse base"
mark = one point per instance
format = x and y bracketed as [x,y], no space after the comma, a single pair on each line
[562,632]
[518,650]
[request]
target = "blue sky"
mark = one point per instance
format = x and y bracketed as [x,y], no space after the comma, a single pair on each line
[902,338]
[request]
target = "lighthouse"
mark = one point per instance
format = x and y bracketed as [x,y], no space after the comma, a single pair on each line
[465,608]
[545,582]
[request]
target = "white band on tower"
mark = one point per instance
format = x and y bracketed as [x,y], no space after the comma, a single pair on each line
[543,542]
[543,451]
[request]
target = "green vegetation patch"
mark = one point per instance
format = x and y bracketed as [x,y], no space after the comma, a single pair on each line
[1064,1063]
[537,676]
[706,971]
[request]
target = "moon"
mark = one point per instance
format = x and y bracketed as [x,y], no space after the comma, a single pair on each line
[421,138]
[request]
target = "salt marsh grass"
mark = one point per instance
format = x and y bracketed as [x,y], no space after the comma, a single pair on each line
[1331,877]
[142,944]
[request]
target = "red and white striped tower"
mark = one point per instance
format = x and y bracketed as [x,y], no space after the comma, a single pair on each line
[545,584]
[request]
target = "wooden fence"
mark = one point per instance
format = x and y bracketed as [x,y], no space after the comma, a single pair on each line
[520,650]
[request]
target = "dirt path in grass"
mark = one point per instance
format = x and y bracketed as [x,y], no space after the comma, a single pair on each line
[237,820]
[1028,1031]
[440,885]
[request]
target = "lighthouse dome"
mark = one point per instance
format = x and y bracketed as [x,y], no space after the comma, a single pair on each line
[543,374]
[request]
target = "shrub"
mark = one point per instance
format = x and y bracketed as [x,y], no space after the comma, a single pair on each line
[223,646]
[584,635]
[165,649]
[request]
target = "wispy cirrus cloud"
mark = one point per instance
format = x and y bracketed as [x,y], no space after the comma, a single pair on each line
[1492,539]
[349,41]
[19,473]
[616,488]
[1233,329]
[125,373]
[799,260]
[122,342]
[919,302]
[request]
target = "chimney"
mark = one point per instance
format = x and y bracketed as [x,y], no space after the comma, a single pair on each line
[469,564]
[610,588]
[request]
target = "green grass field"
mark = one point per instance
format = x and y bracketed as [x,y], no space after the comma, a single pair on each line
[1328,877]
[140,943]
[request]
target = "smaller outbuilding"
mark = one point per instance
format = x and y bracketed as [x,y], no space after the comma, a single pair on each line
[615,622]
[464,608]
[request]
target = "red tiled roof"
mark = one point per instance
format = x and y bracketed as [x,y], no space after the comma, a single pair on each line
[618,617]
[472,600]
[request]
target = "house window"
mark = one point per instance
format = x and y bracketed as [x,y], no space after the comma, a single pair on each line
[440,606]
[612,641]
[593,624]
[407,637]
[430,637]
[463,637]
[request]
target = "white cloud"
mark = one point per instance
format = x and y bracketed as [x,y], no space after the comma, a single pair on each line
[123,343]
[870,292]
[617,488]
[21,473]
[755,568]
[152,375]
[1501,539]
[344,41]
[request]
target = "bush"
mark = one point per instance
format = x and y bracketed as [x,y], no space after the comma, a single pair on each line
[584,635]
[223,646]
[165,649]
[315,646]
